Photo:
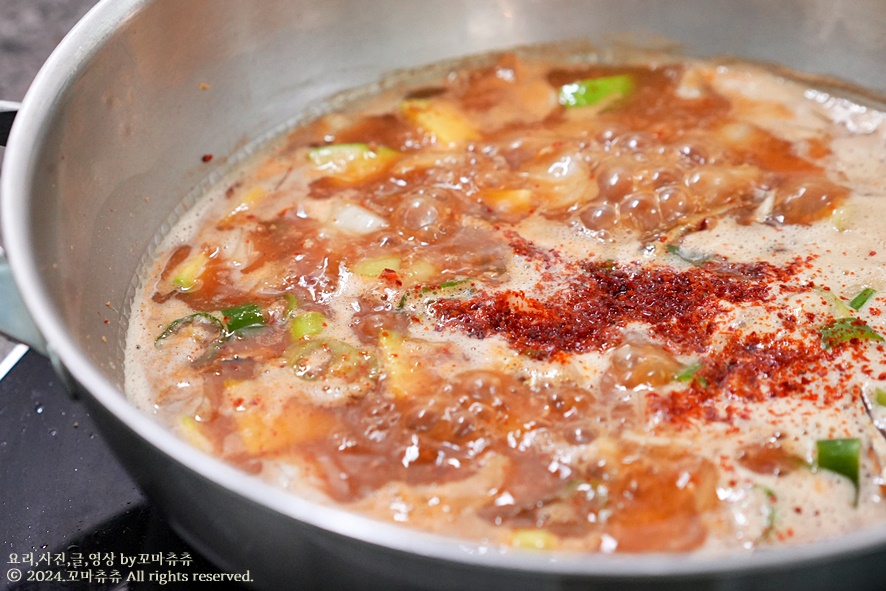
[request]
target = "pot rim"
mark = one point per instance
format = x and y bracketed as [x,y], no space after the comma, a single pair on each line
[58,73]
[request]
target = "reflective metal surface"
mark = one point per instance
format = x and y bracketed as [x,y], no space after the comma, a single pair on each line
[113,134]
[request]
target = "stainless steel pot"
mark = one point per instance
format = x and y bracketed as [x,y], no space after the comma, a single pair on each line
[112,134]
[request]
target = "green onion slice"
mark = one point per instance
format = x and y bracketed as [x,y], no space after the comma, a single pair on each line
[323,358]
[450,283]
[336,156]
[306,325]
[291,306]
[688,373]
[880,396]
[846,329]
[435,290]
[244,316]
[177,325]
[593,90]
[838,306]
[862,298]
[840,456]
[771,514]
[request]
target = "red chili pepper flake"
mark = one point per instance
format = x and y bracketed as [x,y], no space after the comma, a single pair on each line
[681,307]
[526,248]
[590,312]
[207,158]
[751,369]
[873,253]
[390,276]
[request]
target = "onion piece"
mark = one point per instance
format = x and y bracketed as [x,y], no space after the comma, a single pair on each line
[357,220]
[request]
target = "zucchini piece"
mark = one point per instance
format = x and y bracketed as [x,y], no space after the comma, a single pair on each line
[352,163]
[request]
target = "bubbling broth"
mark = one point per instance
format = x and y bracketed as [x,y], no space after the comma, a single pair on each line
[603,306]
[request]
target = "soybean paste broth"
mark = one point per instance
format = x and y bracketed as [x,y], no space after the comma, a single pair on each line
[566,305]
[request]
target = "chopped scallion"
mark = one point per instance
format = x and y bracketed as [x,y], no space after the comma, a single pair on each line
[846,329]
[442,290]
[840,456]
[771,514]
[838,306]
[450,283]
[291,305]
[880,396]
[177,325]
[688,373]
[862,298]
[244,316]
[593,90]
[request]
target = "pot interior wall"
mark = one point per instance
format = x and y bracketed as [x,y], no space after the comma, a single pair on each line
[168,82]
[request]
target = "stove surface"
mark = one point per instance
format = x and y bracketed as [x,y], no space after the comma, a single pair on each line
[66,503]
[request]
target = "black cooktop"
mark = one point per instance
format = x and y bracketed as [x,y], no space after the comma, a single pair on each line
[70,517]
